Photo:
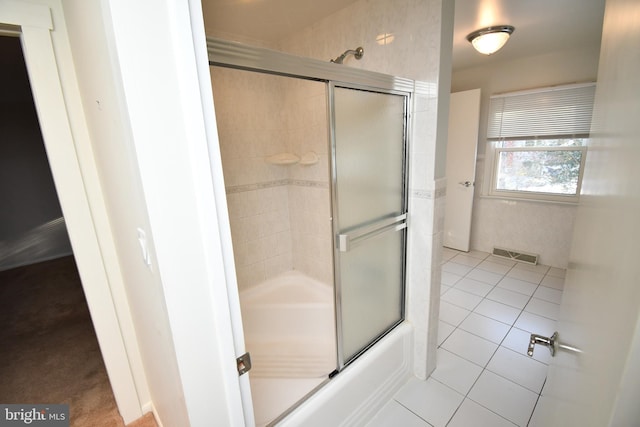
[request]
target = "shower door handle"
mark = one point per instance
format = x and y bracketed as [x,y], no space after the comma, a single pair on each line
[345,242]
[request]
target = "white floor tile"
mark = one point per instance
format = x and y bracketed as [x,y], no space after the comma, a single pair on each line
[500,260]
[461,298]
[504,397]
[478,254]
[455,268]
[471,414]
[394,414]
[444,289]
[535,324]
[485,327]
[553,282]
[444,330]
[518,341]
[543,308]
[518,285]
[511,298]
[470,347]
[542,414]
[548,294]
[485,276]
[449,279]
[430,400]
[494,267]
[455,372]
[447,253]
[557,272]
[465,259]
[536,268]
[452,314]
[528,276]
[498,311]
[518,368]
[473,286]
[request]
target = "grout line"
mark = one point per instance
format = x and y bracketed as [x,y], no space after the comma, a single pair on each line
[511,327]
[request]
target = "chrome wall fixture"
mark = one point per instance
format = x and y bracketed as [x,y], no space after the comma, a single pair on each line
[357,53]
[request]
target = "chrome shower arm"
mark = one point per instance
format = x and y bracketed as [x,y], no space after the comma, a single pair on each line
[357,53]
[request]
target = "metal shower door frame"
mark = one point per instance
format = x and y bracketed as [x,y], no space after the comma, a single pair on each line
[343,242]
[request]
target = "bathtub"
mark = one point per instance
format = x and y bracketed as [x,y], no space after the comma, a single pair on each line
[289,329]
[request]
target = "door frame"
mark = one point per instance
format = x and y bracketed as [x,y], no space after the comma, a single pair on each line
[44,47]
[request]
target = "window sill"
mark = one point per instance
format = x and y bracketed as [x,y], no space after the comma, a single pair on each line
[528,199]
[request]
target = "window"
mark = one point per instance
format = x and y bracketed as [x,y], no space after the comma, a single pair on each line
[538,142]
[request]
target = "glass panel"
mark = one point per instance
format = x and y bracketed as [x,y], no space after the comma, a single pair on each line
[279,214]
[369,167]
[369,156]
[554,172]
[371,276]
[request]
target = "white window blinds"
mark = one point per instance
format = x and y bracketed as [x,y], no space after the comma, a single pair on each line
[562,111]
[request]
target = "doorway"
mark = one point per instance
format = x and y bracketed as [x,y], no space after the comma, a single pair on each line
[50,352]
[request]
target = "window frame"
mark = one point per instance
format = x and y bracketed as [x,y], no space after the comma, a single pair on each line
[496,135]
[534,195]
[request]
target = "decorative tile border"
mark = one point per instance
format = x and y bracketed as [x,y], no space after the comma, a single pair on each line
[440,190]
[429,194]
[278,183]
[422,194]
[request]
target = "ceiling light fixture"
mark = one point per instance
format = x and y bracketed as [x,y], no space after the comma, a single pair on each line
[491,39]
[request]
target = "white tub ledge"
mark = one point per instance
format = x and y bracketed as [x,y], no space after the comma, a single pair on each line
[354,396]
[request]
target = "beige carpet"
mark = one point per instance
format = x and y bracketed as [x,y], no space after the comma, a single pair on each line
[48,349]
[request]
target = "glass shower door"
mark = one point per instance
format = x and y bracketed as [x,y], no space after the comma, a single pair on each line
[369,179]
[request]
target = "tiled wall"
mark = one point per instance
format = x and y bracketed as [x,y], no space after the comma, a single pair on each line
[279,214]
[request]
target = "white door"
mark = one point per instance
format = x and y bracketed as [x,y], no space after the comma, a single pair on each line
[464,117]
[599,315]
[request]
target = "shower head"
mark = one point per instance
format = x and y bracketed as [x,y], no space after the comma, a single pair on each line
[358,53]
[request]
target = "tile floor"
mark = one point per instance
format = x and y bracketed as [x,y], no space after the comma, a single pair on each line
[489,306]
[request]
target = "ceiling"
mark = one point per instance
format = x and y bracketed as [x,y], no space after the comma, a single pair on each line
[541,25]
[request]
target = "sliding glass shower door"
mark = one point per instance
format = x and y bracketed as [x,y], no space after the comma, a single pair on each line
[369,180]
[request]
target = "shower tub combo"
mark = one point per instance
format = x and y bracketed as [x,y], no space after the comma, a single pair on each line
[330,351]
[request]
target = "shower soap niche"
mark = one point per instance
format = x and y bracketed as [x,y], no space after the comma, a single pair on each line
[309,158]
[283,159]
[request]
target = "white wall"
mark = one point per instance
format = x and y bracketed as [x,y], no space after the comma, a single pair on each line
[139,84]
[98,77]
[542,228]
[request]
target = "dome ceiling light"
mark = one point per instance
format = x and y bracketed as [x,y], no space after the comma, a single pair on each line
[489,40]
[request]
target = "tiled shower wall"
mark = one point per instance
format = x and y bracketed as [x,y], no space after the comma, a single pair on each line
[279,214]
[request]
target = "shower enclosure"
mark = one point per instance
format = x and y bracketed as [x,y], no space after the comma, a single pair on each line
[315,166]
